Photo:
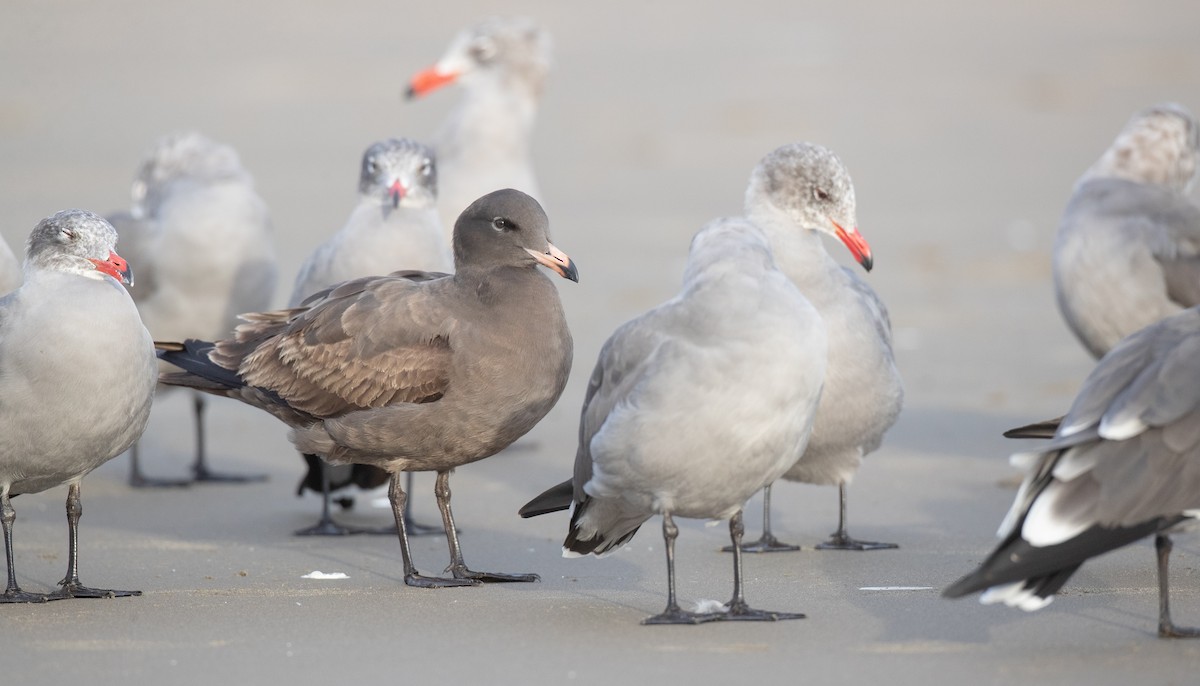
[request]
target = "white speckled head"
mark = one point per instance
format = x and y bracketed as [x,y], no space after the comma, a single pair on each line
[1159,145]
[399,172]
[78,242]
[183,155]
[808,184]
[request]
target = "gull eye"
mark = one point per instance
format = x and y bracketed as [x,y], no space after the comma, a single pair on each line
[483,50]
[502,224]
[372,167]
[426,167]
[821,194]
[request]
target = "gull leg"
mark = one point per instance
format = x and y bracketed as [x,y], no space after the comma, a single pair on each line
[138,479]
[13,593]
[673,614]
[738,609]
[840,540]
[767,543]
[326,526]
[200,468]
[457,567]
[1167,628]
[397,496]
[70,587]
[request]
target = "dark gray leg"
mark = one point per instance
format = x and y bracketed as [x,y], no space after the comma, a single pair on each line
[13,593]
[767,543]
[200,468]
[326,526]
[840,540]
[1167,628]
[457,567]
[673,614]
[398,497]
[70,586]
[416,528]
[738,609]
[138,479]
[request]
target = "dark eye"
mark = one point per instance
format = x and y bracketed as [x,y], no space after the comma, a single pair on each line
[502,224]
[821,194]
[483,50]
[372,167]
[426,168]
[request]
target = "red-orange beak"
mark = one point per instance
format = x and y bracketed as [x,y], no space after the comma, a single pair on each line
[116,267]
[856,243]
[428,80]
[396,191]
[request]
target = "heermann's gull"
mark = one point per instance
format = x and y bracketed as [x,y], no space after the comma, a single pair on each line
[77,375]
[10,269]
[1127,252]
[394,224]
[694,406]
[201,237]
[485,142]
[412,375]
[796,193]
[1124,464]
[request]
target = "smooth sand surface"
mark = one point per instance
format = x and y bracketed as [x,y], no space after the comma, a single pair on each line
[964,127]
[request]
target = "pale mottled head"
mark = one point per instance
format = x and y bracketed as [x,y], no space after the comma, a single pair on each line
[186,155]
[730,243]
[513,50]
[78,242]
[1159,145]
[399,172]
[808,184]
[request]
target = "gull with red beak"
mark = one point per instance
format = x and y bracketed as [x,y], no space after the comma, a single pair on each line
[412,375]
[394,225]
[795,194]
[78,374]
[485,142]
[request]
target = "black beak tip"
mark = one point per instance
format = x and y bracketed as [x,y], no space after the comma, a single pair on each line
[410,93]
[570,272]
[868,262]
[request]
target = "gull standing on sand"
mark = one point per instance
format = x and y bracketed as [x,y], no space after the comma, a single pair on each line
[796,194]
[485,142]
[394,225]
[201,237]
[1127,251]
[1123,464]
[695,406]
[77,376]
[412,375]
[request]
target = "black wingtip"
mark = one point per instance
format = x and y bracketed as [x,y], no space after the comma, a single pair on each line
[1043,429]
[554,499]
